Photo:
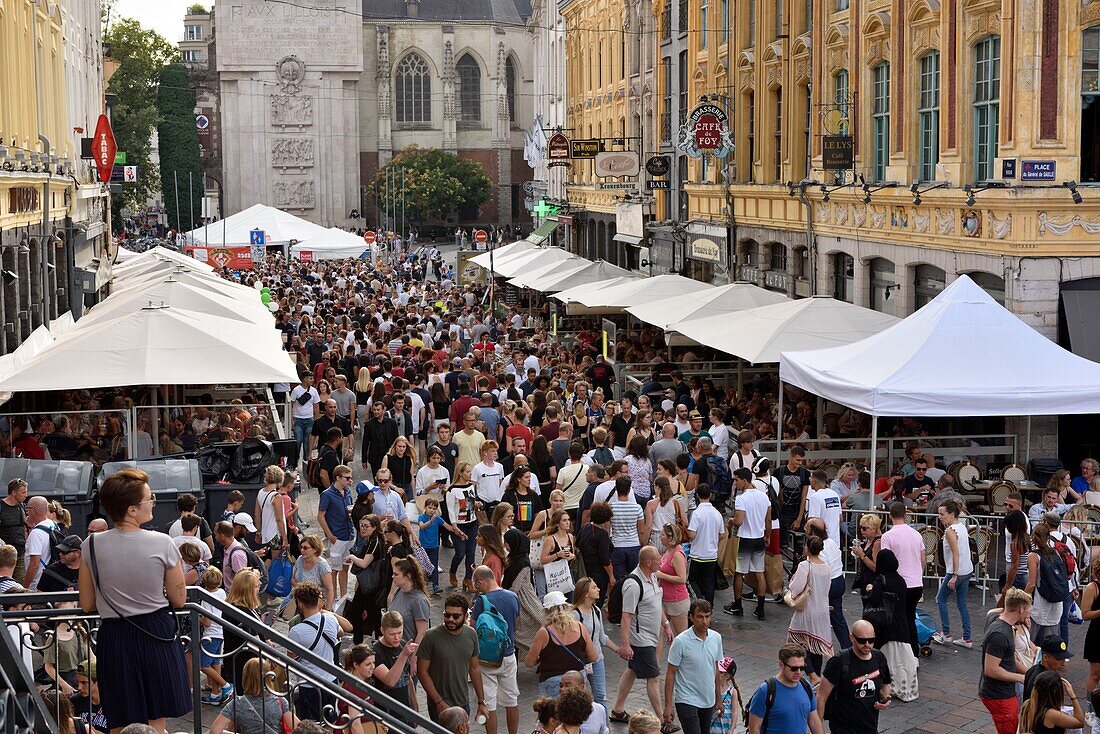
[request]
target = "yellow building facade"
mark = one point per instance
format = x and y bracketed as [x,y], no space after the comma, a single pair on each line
[610,96]
[52,214]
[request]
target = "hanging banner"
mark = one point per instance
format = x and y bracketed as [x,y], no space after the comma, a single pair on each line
[837,152]
[617,163]
[232,257]
[706,132]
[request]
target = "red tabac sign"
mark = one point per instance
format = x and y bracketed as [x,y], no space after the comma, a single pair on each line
[104,148]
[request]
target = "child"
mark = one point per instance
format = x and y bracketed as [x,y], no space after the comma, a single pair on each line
[430,522]
[211,580]
[391,668]
[726,722]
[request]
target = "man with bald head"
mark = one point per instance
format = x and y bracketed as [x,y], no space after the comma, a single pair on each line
[667,447]
[642,624]
[455,720]
[596,723]
[98,525]
[39,540]
[855,685]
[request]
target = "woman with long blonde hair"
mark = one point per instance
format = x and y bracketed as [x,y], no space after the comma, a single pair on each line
[244,594]
[560,645]
[462,509]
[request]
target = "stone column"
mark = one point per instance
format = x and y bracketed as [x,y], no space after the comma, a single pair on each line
[385,105]
[501,141]
[450,106]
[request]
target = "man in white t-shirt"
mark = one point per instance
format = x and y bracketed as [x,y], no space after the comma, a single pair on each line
[824,502]
[488,477]
[305,407]
[752,518]
[705,531]
[39,541]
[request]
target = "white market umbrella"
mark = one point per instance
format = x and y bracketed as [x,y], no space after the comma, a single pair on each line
[642,290]
[760,334]
[530,260]
[598,271]
[722,299]
[138,279]
[184,295]
[586,290]
[512,248]
[156,346]
[534,278]
[158,254]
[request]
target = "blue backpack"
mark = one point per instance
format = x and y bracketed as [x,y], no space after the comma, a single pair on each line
[492,634]
[720,480]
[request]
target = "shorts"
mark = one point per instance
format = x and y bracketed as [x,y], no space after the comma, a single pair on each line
[337,552]
[644,663]
[677,608]
[500,684]
[213,647]
[750,560]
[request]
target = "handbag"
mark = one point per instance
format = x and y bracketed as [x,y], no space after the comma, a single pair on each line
[422,558]
[536,547]
[279,576]
[797,603]
[558,576]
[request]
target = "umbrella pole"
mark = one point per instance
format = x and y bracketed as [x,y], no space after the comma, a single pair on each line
[741,378]
[874,445]
[154,429]
[1027,448]
[779,427]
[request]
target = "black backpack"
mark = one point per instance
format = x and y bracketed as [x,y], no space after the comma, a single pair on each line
[1053,577]
[615,600]
[56,537]
[769,699]
[254,562]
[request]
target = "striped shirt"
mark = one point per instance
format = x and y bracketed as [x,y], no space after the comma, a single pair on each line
[624,523]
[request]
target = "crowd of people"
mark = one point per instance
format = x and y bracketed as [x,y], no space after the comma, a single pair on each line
[489,500]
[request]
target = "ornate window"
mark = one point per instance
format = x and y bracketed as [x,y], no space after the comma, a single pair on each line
[928,112]
[987,105]
[1090,105]
[840,91]
[414,90]
[704,11]
[510,87]
[469,89]
[880,119]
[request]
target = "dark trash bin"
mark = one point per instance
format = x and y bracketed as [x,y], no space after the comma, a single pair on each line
[168,479]
[72,483]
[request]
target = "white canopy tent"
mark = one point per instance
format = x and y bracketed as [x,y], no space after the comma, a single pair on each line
[334,244]
[159,255]
[598,271]
[513,248]
[279,227]
[534,278]
[529,260]
[164,271]
[188,296]
[723,299]
[616,298]
[760,334]
[156,346]
[995,364]
[585,290]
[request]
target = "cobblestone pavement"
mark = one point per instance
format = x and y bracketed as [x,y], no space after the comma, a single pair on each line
[948,679]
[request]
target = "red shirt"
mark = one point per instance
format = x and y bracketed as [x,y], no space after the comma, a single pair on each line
[460,408]
[520,431]
[550,430]
[29,448]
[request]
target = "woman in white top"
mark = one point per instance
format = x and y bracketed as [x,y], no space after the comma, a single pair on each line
[960,567]
[664,509]
[269,512]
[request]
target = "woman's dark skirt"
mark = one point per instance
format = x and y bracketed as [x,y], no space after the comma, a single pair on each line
[141,678]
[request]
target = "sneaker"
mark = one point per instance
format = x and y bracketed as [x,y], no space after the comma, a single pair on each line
[759,613]
[226,693]
[748,594]
[735,608]
[968,644]
[777,599]
[941,639]
[211,699]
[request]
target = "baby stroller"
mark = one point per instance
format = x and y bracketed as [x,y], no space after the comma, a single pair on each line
[926,627]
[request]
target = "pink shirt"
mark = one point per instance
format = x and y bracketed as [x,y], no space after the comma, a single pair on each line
[672,591]
[908,545]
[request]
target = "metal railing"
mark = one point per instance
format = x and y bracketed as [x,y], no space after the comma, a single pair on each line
[730,373]
[22,710]
[287,656]
[235,422]
[981,450]
[110,433]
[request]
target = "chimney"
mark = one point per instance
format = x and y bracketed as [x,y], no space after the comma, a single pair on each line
[411,8]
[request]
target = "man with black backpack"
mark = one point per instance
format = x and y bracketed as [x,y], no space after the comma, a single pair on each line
[786,704]
[1048,582]
[42,541]
[855,685]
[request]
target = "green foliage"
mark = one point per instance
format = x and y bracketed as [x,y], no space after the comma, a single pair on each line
[196,9]
[437,183]
[181,177]
[140,53]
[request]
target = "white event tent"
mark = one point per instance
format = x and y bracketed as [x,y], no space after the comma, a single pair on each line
[513,248]
[158,255]
[157,345]
[280,228]
[191,296]
[534,277]
[723,299]
[596,272]
[333,244]
[760,334]
[618,297]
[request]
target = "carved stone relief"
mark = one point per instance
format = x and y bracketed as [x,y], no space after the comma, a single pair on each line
[292,153]
[294,194]
[294,110]
[945,222]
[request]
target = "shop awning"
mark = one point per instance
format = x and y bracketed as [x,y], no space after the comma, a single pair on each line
[628,239]
[543,232]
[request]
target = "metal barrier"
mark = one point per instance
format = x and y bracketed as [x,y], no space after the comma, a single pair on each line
[50,609]
[22,710]
[110,433]
[180,427]
[732,373]
[981,450]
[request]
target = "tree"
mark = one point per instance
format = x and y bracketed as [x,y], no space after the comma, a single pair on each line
[196,9]
[436,183]
[181,176]
[140,54]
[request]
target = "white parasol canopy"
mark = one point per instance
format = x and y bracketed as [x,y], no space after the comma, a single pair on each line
[189,296]
[160,255]
[534,278]
[619,297]
[594,273]
[724,299]
[529,260]
[759,334]
[334,244]
[962,354]
[163,271]
[502,251]
[279,227]
[156,346]
[585,290]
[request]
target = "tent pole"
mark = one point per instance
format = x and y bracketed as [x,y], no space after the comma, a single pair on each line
[1027,448]
[741,378]
[874,445]
[779,427]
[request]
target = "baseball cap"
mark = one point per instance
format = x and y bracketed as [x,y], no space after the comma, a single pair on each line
[726,663]
[245,520]
[70,543]
[1052,645]
[554,599]
[87,669]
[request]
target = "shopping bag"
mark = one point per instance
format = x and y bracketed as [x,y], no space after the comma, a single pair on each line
[727,556]
[422,558]
[558,576]
[278,576]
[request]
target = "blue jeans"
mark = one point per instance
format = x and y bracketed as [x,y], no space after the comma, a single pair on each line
[465,549]
[598,681]
[302,428]
[550,687]
[624,560]
[836,612]
[962,585]
[433,556]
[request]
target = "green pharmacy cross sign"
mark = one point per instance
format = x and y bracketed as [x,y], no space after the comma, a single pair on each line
[543,209]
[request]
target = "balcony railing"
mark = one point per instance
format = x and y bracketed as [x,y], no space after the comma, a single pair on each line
[22,708]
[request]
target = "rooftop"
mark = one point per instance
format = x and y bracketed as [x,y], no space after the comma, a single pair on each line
[500,11]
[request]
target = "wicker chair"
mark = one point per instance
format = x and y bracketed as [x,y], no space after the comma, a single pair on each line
[1093,513]
[998,493]
[984,538]
[1014,473]
[931,536]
